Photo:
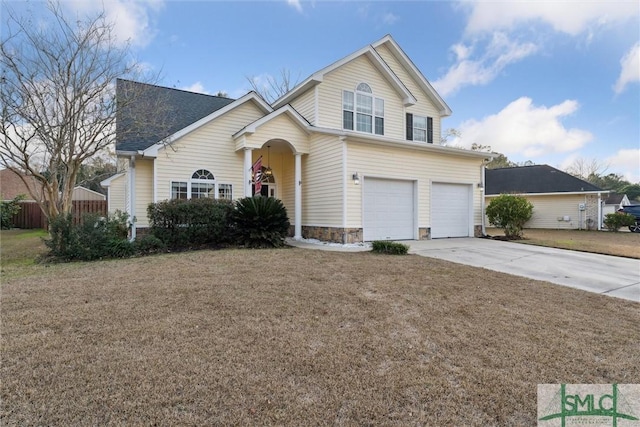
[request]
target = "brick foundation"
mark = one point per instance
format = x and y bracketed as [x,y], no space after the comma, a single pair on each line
[477,231]
[424,233]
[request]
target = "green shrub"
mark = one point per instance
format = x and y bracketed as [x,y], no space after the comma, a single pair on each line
[510,212]
[9,208]
[387,247]
[95,237]
[149,244]
[614,221]
[260,222]
[180,223]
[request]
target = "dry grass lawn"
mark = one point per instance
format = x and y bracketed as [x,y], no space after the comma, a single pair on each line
[296,337]
[623,243]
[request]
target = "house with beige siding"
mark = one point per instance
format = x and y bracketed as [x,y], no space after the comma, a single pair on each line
[353,152]
[560,200]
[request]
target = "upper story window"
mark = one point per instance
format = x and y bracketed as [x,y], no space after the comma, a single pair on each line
[362,111]
[201,184]
[419,128]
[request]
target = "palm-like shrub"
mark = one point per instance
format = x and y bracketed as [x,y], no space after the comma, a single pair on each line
[260,222]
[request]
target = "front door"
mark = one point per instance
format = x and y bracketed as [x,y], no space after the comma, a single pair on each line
[268,189]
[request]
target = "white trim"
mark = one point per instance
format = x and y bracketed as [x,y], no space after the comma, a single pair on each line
[287,109]
[345,182]
[406,62]
[560,193]
[316,109]
[251,96]
[376,60]
[298,197]
[107,182]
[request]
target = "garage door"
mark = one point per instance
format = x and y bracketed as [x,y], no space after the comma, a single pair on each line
[450,210]
[388,209]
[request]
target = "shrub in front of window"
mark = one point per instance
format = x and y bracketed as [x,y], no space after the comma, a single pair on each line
[96,237]
[260,222]
[181,224]
[390,248]
[510,212]
[617,220]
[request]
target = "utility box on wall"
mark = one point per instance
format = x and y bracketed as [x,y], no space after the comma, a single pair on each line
[582,207]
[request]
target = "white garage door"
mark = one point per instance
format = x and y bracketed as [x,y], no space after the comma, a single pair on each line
[388,209]
[450,210]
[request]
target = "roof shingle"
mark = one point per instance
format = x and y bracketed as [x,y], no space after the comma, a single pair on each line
[147,113]
[534,179]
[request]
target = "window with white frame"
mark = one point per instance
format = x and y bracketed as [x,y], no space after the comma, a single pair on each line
[361,111]
[419,128]
[201,184]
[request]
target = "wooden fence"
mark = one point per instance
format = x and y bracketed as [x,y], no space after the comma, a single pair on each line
[31,216]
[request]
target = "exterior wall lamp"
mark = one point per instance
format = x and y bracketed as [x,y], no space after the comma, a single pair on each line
[356,178]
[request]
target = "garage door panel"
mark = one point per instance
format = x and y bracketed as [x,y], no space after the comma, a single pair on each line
[450,210]
[388,209]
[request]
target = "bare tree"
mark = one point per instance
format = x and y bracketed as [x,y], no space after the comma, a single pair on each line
[587,168]
[58,98]
[271,88]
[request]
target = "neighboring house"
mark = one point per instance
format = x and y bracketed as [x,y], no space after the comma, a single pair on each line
[560,200]
[353,152]
[12,185]
[613,202]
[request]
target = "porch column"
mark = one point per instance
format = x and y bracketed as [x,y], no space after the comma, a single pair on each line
[247,171]
[298,197]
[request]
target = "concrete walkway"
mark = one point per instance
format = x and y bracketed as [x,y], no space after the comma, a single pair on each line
[602,274]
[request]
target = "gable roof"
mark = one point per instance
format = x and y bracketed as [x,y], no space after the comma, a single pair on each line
[147,113]
[542,179]
[368,51]
[11,185]
[408,64]
[615,199]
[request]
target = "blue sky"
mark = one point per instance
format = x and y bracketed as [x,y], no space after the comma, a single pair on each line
[549,82]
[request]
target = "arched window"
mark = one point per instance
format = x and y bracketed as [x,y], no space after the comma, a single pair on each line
[202,184]
[367,109]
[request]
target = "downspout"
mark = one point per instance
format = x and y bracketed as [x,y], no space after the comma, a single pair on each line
[600,211]
[345,235]
[132,196]
[482,194]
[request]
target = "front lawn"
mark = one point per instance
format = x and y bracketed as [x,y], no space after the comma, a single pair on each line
[297,337]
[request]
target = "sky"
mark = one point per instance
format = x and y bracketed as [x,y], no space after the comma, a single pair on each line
[550,82]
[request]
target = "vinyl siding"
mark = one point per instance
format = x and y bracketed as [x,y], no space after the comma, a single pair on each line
[424,106]
[116,196]
[281,127]
[549,211]
[305,105]
[347,77]
[144,190]
[322,178]
[423,167]
[208,147]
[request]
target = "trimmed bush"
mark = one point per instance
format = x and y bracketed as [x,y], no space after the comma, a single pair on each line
[617,220]
[148,244]
[260,222]
[387,247]
[510,212]
[8,208]
[94,238]
[181,224]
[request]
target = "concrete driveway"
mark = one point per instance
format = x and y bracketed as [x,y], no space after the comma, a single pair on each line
[602,274]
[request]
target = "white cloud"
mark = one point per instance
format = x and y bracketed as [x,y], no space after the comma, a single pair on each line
[295,4]
[389,18]
[569,16]
[626,162]
[525,129]
[630,72]
[470,70]
[196,87]
[133,20]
